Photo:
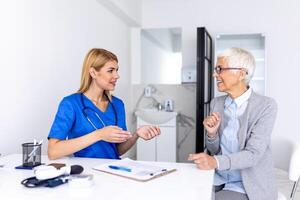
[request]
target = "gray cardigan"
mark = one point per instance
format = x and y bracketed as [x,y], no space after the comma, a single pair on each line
[254,158]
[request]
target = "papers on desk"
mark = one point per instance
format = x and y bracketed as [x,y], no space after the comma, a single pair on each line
[134,170]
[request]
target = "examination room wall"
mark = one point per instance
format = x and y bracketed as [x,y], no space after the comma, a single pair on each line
[43,44]
[279,22]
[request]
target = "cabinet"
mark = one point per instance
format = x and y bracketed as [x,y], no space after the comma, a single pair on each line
[254,43]
[161,148]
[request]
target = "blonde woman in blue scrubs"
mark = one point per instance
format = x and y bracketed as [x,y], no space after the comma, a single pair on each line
[91,123]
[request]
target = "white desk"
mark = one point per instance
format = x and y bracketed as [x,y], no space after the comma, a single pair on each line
[187,182]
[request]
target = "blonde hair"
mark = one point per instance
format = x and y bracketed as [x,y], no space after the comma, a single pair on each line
[95,58]
[237,57]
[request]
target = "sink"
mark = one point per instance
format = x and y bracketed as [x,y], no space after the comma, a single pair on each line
[154,116]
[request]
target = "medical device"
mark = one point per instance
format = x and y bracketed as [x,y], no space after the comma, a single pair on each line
[47,172]
[49,176]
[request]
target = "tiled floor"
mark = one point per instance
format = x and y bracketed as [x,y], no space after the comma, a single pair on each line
[285,185]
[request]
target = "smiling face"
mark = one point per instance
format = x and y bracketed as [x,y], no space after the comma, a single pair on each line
[229,81]
[106,77]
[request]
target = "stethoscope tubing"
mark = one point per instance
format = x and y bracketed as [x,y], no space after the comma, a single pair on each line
[84,108]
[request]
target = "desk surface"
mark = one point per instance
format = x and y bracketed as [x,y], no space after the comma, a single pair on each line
[187,182]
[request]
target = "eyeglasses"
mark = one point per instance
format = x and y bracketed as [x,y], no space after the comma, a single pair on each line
[219,69]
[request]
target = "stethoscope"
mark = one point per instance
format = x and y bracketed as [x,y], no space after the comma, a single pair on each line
[85,108]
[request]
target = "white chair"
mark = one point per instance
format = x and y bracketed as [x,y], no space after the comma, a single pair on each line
[286,155]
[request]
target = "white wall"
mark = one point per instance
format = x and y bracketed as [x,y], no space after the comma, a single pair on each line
[128,11]
[132,8]
[278,20]
[43,44]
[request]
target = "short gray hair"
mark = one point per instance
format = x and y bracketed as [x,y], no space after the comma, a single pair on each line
[237,57]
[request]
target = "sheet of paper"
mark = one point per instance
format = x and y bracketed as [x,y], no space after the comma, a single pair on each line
[133,169]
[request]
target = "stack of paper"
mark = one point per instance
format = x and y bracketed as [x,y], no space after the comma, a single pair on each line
[133,169]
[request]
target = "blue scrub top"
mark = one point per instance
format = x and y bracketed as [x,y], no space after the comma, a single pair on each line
[70,122]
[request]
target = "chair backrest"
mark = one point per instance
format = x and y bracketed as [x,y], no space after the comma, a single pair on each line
[286,156]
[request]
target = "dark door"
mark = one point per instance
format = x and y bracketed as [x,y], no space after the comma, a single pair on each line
[204,83]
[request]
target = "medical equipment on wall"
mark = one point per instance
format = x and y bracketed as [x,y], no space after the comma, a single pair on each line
[86,108]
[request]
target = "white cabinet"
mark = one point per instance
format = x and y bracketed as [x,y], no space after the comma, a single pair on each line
[161,148]
[254,43]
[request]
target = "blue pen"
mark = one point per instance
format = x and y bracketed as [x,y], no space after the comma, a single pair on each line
[126,169]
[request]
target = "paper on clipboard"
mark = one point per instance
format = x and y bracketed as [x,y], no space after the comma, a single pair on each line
[133,170]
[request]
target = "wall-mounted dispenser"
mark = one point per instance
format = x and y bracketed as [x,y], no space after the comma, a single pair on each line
[148,91]
[169,105]
[188,75]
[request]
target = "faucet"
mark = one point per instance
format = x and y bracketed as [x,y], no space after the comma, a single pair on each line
[159,107]
[156,103]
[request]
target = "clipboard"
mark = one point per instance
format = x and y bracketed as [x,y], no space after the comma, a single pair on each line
[134,170]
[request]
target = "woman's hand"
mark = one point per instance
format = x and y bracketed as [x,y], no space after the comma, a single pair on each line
[148,132]
[211,124]
[203,161]
[113,134]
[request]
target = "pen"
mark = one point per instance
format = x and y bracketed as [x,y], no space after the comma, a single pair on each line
[36,146]
[120,168]
[32,154]
[34,150]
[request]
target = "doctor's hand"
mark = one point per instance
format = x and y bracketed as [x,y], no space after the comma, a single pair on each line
[148,132]
[211,124]
[203,161]
[113,134]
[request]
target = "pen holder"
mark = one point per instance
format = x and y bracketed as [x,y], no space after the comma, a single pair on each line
[31,154]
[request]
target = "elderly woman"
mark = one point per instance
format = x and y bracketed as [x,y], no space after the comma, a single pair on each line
[238,133]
